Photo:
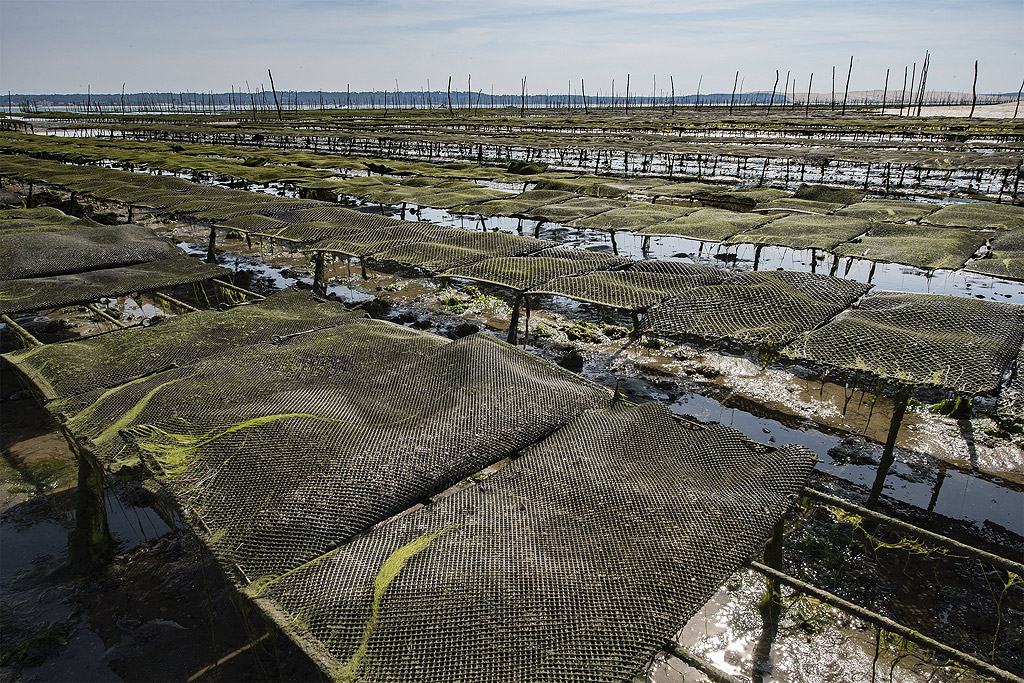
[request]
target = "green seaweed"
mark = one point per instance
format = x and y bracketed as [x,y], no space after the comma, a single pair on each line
[392,566]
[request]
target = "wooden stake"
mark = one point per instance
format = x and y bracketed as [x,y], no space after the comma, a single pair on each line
[974,89]
[450,110]
[846,93]
[274,90]
[772,100]
[733,97]
[885,90]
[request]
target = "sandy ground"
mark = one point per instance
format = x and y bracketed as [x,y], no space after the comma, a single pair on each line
[1003,110]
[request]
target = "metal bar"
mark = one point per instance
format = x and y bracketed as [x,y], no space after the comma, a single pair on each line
[888,624]
[985,556]
[25,335]
[236,288]
[700,664]
[106,317]
[174,302]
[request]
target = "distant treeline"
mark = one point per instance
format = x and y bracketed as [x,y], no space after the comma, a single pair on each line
[198,102]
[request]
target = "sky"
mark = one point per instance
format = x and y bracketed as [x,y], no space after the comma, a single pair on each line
[67,46]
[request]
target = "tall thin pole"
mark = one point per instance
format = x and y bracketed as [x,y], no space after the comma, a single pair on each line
[772,100]
[847,91]
[1014,109]
[274,90]
[885,90]
[906,70]
[733,98]
[833,107]
[696,102]
[450,111]
[974,89]
[627,92]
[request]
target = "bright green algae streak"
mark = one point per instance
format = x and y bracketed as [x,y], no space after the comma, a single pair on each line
[388,572]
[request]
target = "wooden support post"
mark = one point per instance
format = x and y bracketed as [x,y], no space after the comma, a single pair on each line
[899,411]
[26,336]
[513,324]
[319,281]
[105,317]
[211,249]
[90,543]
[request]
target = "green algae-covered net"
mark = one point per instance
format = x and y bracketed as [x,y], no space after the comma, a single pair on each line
[957,343]
[577,561]
[764,309]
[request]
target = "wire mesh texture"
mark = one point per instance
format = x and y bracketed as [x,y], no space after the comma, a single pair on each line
[38,254]
[55,291]
[107,360]
[767,308]
[801,231]
[921,339]
[523,272]
[1010,406]
[633,290]
[279,451]
[1006,258]
[915,245]
[577,561]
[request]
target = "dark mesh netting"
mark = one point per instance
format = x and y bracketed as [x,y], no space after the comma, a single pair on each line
[954,342]
[893,210]
[580,207]
[979,215]
[575,562]
[280,451]
[366,242]
[629,289]
[37,254]
[632,217]
[523,272]
[914,245]
[800,231]
[767,308]
[710,225]
[36,294]
[1010,406]
[516,205]
[460,248]
[1006,258]
[43,219]
[110,359]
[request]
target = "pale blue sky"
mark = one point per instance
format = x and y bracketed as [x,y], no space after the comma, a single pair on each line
[158,45]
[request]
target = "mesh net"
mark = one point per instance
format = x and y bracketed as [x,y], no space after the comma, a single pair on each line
[38,254]
[460,248]
[366,242]
[893,210]
[573,209]
[37,294]
[632,217]
[1010,407]
[979,215]
[462,198]
[28,220]
[825,193]
[759,308]
[1006,258]
[958,343]
[804,232]
[518,205]
[522,273]
[577,561]
[108,360]
[914,245]
[631,289]
[710,225]
[280,452]
[806,206]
